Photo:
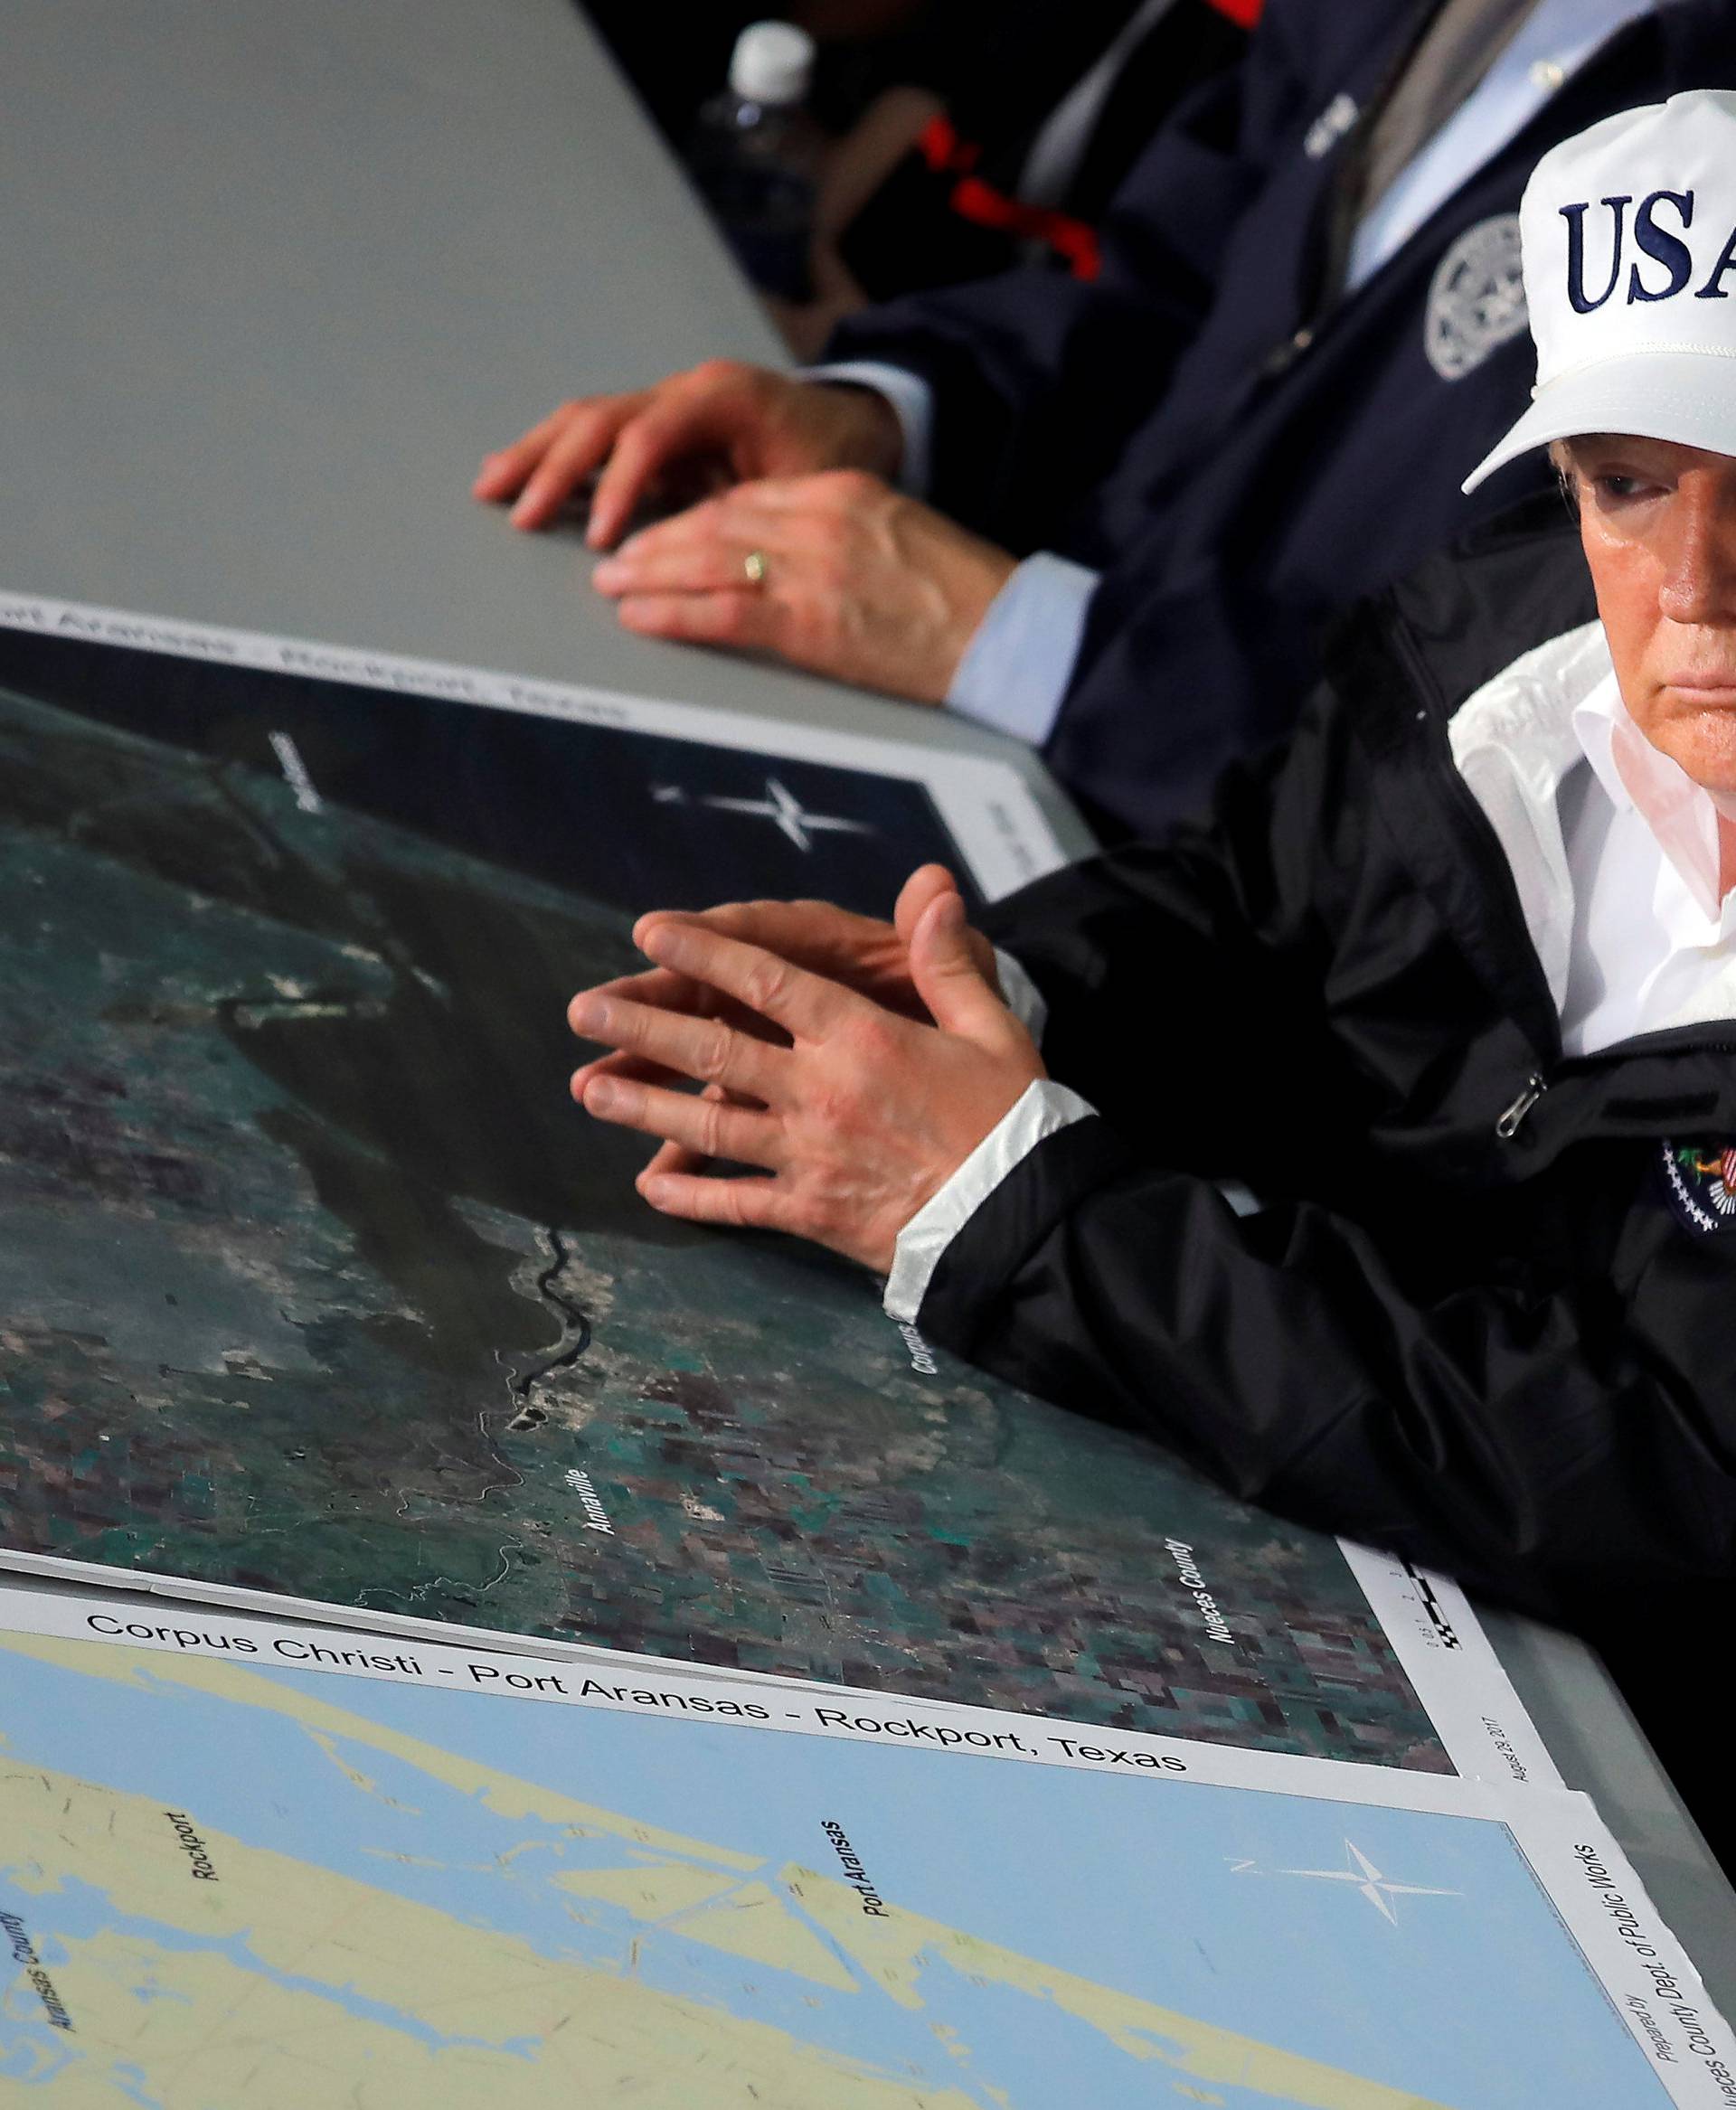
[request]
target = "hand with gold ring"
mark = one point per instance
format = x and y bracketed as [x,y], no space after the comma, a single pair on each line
[835,573]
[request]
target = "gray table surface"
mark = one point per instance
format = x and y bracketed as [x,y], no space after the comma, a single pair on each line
[279,272]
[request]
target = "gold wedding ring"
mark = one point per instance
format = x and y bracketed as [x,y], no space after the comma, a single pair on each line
[754,565]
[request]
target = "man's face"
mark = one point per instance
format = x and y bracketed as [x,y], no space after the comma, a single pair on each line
[1658,522]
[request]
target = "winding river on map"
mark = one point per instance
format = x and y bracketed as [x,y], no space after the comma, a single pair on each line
[313,1281]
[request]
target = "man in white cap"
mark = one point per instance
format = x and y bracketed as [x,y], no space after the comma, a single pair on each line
[1376,1144]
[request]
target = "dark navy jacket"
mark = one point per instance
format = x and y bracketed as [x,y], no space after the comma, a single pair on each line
[1242,455]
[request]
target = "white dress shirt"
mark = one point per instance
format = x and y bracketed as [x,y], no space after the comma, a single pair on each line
[1643,852]
[1553,43]
[1016,670]
[1615,854]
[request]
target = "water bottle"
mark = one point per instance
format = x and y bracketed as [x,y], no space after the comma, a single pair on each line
[756,156]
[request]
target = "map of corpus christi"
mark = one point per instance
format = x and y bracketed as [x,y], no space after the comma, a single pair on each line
[314,1282]
[235,1887]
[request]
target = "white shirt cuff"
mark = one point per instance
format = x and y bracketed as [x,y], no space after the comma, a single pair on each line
[1045,1108]
[1016,668]
[912,404]
[1021,995]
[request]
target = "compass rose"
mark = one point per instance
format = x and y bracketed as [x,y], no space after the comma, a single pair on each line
[780,806]
[1363,1877]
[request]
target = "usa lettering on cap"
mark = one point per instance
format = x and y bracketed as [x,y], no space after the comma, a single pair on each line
[1627,236]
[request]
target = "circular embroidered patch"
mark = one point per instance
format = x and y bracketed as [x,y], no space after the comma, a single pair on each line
[1476,301]
[1699,1180]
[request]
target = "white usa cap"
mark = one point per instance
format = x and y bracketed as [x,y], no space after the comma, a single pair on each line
[1627,237]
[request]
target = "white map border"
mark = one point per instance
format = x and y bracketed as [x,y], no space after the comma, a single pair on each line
[1452,1665]
[1596,1894]
[986,806]
[1475,1710]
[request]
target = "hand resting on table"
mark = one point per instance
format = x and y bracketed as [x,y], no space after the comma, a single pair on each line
[858,1091]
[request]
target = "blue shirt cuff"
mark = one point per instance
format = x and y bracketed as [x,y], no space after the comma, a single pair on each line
[912,403]
[1016,670]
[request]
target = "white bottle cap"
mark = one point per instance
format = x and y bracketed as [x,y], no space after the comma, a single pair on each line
[773,63]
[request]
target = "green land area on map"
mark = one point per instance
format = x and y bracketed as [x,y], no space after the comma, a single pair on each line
[313,1281]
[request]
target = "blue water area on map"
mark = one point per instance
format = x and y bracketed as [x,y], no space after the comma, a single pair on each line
[1255,1912]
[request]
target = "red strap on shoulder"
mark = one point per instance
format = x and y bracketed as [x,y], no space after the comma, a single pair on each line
[1074,239]
[944,151]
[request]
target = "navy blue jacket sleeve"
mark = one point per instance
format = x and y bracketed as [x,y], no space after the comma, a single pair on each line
[1038,378]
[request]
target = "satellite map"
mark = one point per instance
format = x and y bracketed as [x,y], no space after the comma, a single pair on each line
[314,1282]
[232,1886]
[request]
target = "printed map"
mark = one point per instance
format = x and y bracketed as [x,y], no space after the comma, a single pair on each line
[313,1281]
[229,1886]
